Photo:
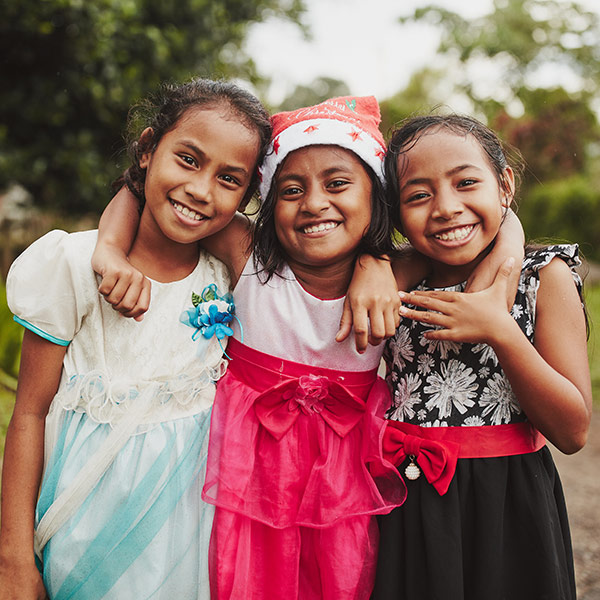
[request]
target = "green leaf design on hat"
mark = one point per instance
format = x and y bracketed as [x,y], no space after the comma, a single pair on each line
[351,104]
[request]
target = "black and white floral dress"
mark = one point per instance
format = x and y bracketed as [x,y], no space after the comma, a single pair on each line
[501,529]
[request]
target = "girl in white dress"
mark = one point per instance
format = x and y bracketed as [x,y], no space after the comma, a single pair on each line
[114,413]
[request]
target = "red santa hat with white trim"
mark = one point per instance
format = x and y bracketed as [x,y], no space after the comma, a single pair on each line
[350,122]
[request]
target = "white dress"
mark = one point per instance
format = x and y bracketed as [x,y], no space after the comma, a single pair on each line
[119,514]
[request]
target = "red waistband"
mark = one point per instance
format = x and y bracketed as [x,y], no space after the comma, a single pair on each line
[260,370]
[480,442]
[436,449]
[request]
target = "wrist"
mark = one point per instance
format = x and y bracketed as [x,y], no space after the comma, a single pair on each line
[503,332]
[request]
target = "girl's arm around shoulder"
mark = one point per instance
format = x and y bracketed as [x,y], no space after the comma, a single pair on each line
[551,377]
[372,303]
[232,245]
[39,376]
[509,243]
[123,286]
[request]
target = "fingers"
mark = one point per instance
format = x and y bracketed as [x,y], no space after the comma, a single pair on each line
[127,291]
[438,301]
[424,316]
[509,277]
[383,323]
[505,270]
[345,322]
[361,330]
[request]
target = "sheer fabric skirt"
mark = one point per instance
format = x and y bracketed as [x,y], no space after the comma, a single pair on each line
[296,500]
[143,531]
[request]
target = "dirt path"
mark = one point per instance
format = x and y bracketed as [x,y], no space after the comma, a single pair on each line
[580,474]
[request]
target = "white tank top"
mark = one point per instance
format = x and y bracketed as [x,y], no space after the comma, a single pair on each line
[282,319]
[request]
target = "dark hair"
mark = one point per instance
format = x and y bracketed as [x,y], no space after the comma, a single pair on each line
[410,131]
[269,255]
[162,111]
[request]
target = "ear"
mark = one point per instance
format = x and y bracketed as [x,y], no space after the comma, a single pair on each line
[144,144]
[508,187]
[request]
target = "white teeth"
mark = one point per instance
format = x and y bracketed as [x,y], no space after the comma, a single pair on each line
[320,227]
[186,212]
[456,234]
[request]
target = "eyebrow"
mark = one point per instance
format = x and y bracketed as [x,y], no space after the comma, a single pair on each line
[453,171]
[325,173]
[191,146]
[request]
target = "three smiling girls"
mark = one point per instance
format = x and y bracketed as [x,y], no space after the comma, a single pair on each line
[301,459]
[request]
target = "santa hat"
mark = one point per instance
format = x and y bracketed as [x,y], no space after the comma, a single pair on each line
[350,122]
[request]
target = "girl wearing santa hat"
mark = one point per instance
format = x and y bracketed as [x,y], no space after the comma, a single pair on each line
[295,467]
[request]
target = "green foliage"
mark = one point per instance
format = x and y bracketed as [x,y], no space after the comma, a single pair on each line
[11,336]
[318,91]
[419,97]
[565,209]
[71,69]
[592,300]
[521,37]
[553,135]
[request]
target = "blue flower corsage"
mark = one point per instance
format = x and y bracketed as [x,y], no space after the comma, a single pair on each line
[210,315]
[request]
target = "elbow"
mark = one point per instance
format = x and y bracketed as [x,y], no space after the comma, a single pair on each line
[574,443]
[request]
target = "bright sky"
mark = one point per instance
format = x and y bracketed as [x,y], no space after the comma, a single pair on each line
[357,41]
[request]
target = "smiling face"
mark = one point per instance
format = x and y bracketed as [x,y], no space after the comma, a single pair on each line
[197,175]
[451,203]
[322,206]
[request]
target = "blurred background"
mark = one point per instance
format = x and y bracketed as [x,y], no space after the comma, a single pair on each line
[70,69]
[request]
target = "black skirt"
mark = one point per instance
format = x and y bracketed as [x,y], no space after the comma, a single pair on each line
[500,533]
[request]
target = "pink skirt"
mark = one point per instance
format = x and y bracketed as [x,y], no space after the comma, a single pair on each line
[296,470]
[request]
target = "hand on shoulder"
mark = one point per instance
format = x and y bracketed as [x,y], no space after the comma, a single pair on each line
[122,285]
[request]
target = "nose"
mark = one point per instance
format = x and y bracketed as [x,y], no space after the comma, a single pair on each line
[315,201]
[447,204]
[198,186]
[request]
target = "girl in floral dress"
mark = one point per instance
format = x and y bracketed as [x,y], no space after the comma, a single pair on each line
[295,466]
[477,388]
[116,412]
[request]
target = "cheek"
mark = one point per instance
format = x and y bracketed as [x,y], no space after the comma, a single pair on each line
[281,222]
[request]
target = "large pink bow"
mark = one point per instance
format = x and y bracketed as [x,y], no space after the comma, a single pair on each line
[436,459]
[278,407]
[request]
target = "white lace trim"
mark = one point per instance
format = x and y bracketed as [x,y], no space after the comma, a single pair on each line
[107,400]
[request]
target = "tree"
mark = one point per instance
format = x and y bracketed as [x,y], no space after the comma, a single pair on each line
[314,93]
[553,134]
[521,38]
[70,70]
[556,130]
[418,97]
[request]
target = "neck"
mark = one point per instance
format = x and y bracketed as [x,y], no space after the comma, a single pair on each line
[159,257]
[445,275]
[325,282]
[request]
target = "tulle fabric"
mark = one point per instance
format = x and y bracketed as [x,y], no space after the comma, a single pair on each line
[298,509]
[143,532]
[252,561]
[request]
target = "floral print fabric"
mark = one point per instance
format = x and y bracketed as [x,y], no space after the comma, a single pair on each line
[442,383]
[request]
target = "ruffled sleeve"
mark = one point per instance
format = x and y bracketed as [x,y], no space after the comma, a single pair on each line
[524,308]
[51,285]
[539,258]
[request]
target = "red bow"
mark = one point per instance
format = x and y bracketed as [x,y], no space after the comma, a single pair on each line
[278,407]
[436,459]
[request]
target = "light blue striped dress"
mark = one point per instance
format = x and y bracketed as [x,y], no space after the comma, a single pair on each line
[119,513]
